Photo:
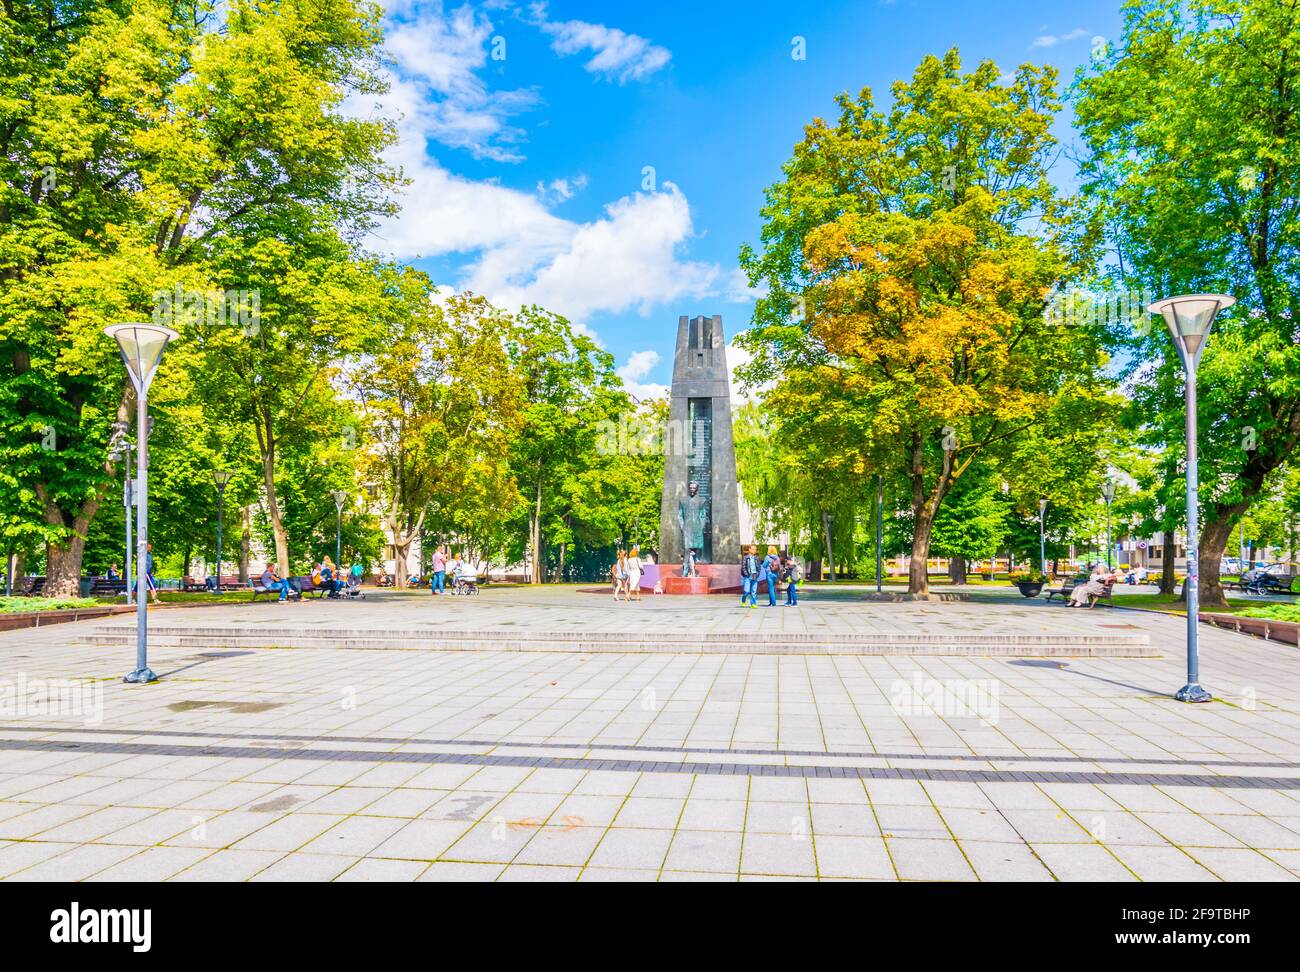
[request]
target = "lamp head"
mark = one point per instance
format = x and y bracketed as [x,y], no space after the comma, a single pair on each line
[1190,317]
[1108,490]
[221,477]
[142,347]
[340,498]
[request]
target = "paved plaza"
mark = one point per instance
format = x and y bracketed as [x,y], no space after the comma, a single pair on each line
[324,763]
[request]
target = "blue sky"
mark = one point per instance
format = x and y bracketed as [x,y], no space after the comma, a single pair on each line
[607,161]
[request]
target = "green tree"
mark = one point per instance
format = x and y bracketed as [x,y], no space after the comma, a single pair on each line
[1194,128]
[921,246]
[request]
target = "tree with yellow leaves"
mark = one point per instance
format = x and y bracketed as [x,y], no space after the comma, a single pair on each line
[908,259]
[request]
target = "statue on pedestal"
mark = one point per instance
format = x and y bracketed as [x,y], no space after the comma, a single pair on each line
[692,518]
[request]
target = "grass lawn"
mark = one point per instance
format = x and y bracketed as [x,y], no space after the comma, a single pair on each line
[16,605]
[1170,604]
[202,597]
[1274,612]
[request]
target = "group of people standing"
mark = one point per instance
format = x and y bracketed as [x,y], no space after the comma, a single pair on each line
[627,574]
[460,569]
[775,568]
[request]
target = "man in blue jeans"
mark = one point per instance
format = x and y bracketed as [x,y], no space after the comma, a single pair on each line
[272,582]
[749,567]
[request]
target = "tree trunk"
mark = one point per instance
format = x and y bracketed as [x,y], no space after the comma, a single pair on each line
[830,555]
[266,445]
[1214,539]
[401,570]
[535,531]
[1169,553]
[63,571]
[957,569]
[245,541]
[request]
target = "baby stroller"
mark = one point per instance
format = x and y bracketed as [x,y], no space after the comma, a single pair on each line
[466,580]
[352,586]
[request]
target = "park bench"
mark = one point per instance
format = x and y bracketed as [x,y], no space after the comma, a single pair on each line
[256,586]
[105,587]
[1065,590]
[33,586]
[229,582]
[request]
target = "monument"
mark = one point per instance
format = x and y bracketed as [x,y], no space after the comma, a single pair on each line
[700,508]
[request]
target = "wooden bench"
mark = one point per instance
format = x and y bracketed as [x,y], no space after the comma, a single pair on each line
[255,585]
[1105,595]
[1065,590]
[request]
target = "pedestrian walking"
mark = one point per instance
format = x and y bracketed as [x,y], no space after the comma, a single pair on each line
[633,565]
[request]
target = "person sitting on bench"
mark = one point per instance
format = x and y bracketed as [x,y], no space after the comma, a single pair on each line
[273,582]
[1097,585]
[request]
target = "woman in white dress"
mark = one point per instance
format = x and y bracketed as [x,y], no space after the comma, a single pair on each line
[634,574]
[1095,587]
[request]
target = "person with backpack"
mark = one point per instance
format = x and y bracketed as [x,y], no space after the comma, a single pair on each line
[792,573]
[749,569]
[770,572]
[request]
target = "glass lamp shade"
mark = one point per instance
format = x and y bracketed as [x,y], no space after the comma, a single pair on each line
[340,497]
[1190,318]
[1042,507]
[1108,490]
[142,347]
[221,477]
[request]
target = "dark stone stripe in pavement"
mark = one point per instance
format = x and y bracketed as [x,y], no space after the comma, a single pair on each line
[634,748]
[637,766]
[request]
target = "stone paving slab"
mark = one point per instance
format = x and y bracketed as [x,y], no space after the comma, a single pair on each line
[318,764]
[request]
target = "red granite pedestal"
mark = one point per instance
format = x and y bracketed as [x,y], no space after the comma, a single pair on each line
[711,579]
[686,585]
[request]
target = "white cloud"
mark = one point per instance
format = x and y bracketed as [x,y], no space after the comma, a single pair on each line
[517,251]
[1051,40]
[615,53]
[560,190]
[437,56]
[638,365]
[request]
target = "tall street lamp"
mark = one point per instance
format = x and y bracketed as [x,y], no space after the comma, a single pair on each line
[880,515]
[1108,494]
[142,347]
[1042,536]
[120,448]
[340,498]
[1190,318]
[220,477]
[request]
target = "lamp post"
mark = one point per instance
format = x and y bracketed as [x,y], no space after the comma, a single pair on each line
[1190,318]
[142,347]
[880,505]
[220,477]
[1042,536]
[340,498]
[120,448]
[1108,494]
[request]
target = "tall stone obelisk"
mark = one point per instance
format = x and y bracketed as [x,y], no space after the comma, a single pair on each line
[699,447]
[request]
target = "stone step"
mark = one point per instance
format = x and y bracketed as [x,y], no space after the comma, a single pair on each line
[444,639]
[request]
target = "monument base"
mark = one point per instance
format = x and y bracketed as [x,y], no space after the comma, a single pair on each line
[718,578]
[686,585]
